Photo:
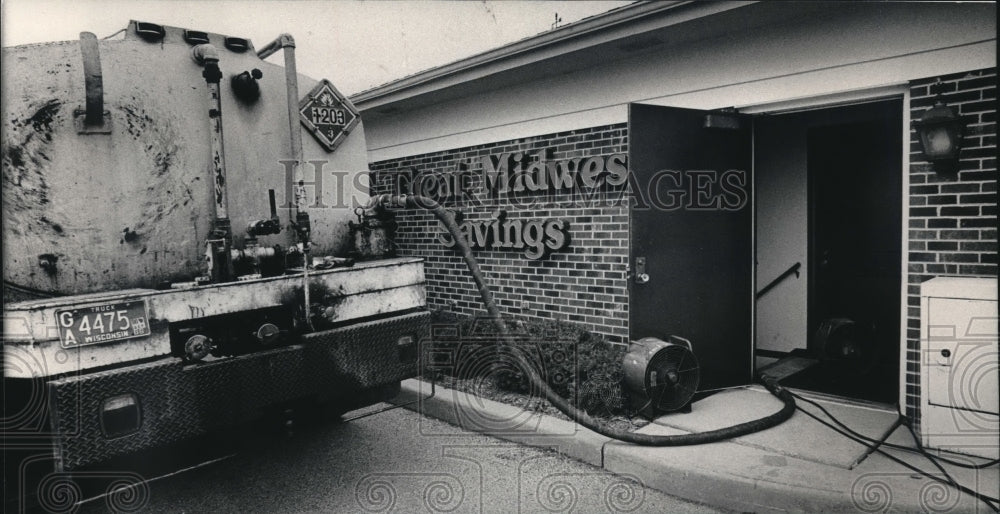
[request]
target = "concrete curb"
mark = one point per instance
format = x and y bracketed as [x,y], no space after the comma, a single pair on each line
[725,474]
[504,421]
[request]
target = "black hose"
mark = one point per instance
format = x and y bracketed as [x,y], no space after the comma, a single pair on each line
[448,220]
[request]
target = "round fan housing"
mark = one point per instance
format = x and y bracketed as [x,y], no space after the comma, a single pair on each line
[662,376]
[843,343]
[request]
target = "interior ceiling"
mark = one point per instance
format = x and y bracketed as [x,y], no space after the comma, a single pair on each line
[732,23]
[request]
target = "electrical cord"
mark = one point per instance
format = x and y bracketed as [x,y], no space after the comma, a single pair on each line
[578,415]
[991,502]
[919,450]
[788,398]
[923,451]
[936,464]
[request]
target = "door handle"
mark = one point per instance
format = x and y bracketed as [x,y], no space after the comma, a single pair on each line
[640,271]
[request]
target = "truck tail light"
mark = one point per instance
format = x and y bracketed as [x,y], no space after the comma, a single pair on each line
[120,415]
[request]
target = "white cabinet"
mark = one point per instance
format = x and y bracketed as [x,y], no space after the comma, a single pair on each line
[959,366]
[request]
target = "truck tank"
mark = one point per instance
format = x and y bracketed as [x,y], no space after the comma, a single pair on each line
[128,201]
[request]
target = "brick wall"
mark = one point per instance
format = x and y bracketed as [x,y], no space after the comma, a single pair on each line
[952,225]
[584,283]
[953,216]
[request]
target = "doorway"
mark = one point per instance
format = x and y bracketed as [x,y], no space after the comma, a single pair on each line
[829,201]
[771,238]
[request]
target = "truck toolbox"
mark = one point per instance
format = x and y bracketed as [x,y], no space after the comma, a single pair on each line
[180,268]
[118,411]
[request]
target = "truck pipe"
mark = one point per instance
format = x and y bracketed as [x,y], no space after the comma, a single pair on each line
[92,79]
[303,229]
[447,219]
[222,230]
[286,43]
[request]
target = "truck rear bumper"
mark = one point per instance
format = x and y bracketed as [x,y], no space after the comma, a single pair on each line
[104,414]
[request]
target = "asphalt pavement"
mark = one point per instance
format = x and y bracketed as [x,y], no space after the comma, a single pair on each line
[397,461]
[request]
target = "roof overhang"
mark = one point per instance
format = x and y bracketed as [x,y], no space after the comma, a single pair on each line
[623,32]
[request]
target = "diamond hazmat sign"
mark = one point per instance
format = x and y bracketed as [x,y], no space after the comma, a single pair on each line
[328,115]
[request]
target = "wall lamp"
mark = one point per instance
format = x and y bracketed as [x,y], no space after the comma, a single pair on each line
[940,131]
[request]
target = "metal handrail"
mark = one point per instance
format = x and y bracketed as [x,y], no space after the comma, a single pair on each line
[794,268]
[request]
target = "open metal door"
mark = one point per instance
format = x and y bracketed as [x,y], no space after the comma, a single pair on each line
[692,236]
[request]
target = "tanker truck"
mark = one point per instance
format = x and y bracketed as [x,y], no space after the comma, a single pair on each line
[174,264]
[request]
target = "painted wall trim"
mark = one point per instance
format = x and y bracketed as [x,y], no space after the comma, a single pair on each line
[842,98]
[757,95]
[608,115]
[904,266]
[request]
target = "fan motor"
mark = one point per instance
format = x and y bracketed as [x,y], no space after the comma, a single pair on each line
[662,376]
[842,343]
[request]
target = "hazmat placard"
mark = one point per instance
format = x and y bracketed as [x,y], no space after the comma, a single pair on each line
[328,115]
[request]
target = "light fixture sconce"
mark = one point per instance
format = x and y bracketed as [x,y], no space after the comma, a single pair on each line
[940,131]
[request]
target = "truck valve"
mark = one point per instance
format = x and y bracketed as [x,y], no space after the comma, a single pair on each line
[245,85]
[269,226]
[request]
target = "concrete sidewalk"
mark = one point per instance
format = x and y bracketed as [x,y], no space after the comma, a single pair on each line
[800,465]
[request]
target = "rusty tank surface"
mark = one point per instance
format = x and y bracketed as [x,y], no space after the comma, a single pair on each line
[109,176]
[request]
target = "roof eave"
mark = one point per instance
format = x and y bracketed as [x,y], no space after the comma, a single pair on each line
[534,48]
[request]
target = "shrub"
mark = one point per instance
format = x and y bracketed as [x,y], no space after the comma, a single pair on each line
[578,365]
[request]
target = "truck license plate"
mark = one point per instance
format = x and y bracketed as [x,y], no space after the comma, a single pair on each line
[102,323]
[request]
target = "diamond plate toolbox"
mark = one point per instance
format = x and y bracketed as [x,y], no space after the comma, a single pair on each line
[178,400]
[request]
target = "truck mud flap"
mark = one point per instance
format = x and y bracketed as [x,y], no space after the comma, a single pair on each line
[120,411]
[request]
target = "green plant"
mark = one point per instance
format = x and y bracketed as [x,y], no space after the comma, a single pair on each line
[579,365]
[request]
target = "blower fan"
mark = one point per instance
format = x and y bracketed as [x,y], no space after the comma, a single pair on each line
[662,376]
[844,345]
